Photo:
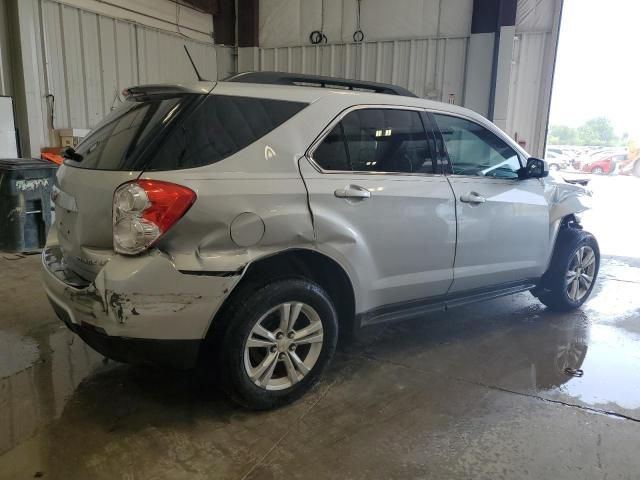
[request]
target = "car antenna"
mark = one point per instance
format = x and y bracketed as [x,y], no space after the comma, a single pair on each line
[200,79]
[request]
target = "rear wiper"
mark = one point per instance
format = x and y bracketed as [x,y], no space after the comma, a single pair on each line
[71,154]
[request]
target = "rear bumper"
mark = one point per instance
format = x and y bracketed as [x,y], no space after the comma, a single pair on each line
[138,309]
[182,354]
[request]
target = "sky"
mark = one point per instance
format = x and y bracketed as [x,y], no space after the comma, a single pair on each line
[598,65]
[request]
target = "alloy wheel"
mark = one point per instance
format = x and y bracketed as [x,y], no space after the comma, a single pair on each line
[283,346]
[580,274]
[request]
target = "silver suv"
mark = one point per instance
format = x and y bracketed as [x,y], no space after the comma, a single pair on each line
[242,225]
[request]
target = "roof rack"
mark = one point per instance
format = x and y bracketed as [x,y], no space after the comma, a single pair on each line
[305,80]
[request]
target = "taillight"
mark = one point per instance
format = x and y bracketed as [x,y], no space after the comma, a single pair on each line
[145,209]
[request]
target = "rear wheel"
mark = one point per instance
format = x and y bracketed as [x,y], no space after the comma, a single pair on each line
[573,271]
[279,338]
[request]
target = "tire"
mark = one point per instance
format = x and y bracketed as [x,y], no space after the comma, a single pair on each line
[597,170]
[556,290]
[554,166]
[264,304]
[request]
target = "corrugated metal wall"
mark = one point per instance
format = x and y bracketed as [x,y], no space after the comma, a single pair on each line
[526,104]
[91,58]
[534,57]
[430,67]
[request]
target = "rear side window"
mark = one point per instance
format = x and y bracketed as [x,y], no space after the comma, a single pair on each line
[378,140]
[180,132]
[218,128]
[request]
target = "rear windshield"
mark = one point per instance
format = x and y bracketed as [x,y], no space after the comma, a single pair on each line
[180,132]
[118,142]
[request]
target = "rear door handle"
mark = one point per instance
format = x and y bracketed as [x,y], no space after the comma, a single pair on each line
[472,197]
[352,191]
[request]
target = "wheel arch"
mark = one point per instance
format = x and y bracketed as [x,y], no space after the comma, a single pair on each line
[301,263]
[567,222]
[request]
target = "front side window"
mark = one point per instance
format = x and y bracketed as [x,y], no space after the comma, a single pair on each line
[377,140]
[474,150]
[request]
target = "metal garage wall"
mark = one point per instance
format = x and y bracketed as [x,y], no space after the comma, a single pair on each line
[91,58]
[428,57]
[431,67]
[534,55]
[289,22]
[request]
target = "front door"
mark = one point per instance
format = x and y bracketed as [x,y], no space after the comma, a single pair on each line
[503,222]
[381,207]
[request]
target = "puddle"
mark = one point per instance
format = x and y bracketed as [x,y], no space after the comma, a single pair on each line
[611,370]
[37,378]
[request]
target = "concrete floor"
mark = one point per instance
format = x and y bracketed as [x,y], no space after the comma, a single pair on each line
[479,392]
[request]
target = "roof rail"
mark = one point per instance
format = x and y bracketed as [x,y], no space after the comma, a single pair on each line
[305,80]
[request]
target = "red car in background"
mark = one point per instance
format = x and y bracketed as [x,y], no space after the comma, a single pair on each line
[604,164]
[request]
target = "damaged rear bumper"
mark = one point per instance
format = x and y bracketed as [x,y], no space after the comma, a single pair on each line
[138,309]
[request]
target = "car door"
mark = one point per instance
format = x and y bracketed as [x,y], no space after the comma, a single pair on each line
[381,205]
[503,222]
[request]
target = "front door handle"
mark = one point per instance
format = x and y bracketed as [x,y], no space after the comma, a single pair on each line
[472,197]
[352,191]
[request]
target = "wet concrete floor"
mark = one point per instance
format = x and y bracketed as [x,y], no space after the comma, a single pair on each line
[479,392]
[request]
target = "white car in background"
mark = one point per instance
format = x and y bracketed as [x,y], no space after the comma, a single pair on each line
[557,161]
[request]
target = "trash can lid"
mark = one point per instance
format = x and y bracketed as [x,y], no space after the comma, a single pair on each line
[24,164]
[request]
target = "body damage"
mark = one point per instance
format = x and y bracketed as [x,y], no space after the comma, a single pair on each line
[126,299]
[563,199]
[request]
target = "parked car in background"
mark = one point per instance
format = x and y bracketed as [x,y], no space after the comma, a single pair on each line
[241,227]
[557,161]
[604,163]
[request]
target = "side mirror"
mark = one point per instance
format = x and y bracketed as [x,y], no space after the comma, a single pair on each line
[536,168]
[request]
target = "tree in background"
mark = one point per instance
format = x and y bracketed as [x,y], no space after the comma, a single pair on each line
[563,135]
[597,132]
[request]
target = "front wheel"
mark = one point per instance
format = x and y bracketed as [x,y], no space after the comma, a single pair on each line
[597,170]
[279,338]
[572,273]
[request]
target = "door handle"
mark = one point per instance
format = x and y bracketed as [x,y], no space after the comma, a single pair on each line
[472,197]
[352,191]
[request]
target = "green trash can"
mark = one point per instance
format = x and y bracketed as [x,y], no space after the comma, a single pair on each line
[25,203]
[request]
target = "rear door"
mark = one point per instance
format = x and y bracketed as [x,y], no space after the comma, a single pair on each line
[503,222]
[382,206]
